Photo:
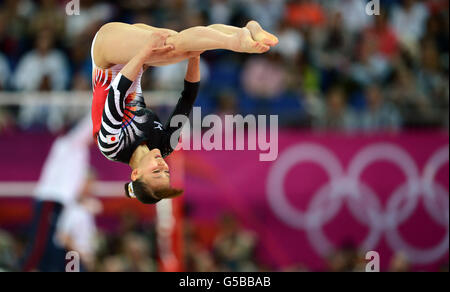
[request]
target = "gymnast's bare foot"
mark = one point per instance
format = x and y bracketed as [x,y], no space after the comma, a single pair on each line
[260,35]
[246,44]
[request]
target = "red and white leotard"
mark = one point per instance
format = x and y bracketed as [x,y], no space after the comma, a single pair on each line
[101,83]
[121,120]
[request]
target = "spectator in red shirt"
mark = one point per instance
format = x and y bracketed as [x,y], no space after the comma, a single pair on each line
[305,13]
[383,36]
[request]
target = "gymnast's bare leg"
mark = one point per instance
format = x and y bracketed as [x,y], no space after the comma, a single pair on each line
[118,43]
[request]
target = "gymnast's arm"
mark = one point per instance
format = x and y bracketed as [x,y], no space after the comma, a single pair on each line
[115,104]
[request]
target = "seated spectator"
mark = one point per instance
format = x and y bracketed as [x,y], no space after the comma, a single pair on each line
[302,13]
[379,115]
[136,255]
[291,42]
[353,14]
[8,258]
[5,73]
[267,12]
[13,28]
[409,22]
[170,77]
[264,77]
[43,69]
[94,12]
[345,259]
[337,116]
[412,103]
[370,65]
[220,12]
[44,61]
[433,84]
[383,36]
[49,15]
[6,120]
[399,263]
[234,247]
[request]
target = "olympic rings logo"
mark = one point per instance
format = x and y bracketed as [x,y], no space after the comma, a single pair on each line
[363,202]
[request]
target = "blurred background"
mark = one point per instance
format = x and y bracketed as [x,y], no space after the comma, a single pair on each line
[363,144]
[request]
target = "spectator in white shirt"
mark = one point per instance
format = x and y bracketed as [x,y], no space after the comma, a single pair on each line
[77,230]
[379,115]
[43,69]
[43,62]
[409,21]
[64,177]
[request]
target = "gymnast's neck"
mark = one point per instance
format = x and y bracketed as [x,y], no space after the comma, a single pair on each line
[138,155]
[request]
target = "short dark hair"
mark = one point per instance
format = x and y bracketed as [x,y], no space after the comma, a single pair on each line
[147,196]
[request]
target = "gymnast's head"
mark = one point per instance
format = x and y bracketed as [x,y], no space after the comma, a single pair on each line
[150,180]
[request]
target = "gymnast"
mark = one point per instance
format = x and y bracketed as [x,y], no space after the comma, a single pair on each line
[124,128]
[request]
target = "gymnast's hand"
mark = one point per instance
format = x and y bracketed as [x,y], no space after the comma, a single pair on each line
[156,49]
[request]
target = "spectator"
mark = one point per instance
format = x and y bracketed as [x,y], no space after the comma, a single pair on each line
[409,22]
[13,27]
[93,14]
[370,65]
[432,82]
[220,12]
[77,230]
[379,114]
[383,36]
[264,77]
[44,63]
[227,101]
[291,42]
[8,258]
[438,31]
[444,268]
[112,264]
[335,46]
[234,247]
[48,16]
[345,259]
[353,14]
[399,263]
[305,13]
[172,77]
[136,254]
[338,115]
[43,69]
[411,102]
[267,12]
[5,72]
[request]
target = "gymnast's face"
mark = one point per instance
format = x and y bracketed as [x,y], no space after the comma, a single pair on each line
[153,170]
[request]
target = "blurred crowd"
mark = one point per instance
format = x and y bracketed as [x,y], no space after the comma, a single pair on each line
[336,68]
[230,248]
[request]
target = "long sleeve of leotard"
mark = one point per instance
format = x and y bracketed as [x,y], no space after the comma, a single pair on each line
[183,108]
